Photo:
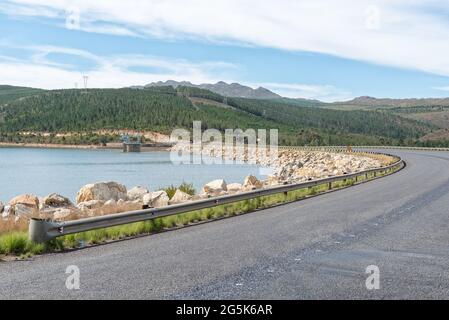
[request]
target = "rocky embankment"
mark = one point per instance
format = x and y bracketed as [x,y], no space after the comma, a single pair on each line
[112,197]
[297,166]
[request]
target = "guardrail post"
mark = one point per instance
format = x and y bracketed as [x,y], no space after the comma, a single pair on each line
[38,230]
[330,186]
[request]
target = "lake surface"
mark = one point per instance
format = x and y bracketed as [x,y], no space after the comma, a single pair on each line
[65,171]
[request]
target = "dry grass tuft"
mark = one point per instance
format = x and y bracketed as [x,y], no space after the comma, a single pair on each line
[383,159]
[111,209]
[10,225]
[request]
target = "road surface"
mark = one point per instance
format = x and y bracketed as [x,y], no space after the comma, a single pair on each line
[318,248]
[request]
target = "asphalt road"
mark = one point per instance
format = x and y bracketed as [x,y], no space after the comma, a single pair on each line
[318,248]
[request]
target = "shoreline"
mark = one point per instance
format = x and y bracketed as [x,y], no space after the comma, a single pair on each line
[289,167]
[111,196]
[49,146]
[114,146]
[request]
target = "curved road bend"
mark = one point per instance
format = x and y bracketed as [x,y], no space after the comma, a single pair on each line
[317,248]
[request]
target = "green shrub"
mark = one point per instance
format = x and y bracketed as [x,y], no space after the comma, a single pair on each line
[184,187]
[17,243]
[187,188]
[170,190]
[13,243]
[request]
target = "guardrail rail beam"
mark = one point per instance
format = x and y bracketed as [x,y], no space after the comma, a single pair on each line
[43,230]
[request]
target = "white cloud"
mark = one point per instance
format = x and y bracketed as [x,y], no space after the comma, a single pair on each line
[114,71]
[106,71]
[107,29]
[328,93]
[14,9]
[409,34]
[117,71]
[108,76]
[441,88]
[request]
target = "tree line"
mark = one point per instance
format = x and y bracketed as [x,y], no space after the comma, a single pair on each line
[164,108]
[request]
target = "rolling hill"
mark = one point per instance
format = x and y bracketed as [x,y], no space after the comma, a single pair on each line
[163,108]
[365,102]
[11,93]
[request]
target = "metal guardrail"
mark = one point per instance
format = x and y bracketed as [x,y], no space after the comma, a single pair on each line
[44,230]
[344,148]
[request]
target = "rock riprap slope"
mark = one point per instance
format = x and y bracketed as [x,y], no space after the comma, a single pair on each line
[100,198]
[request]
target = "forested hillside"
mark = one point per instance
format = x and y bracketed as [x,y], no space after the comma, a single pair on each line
[88,110]
[80,110]
[165,108]
[11,93]
[375,123]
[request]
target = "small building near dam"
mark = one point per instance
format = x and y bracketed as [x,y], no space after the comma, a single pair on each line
[131,144]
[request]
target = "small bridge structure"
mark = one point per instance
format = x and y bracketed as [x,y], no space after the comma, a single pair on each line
[131,143]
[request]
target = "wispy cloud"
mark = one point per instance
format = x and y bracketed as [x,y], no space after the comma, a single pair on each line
[407,34]
[30,10]
[328,93]
[114,71]
[441,88]
[40,70]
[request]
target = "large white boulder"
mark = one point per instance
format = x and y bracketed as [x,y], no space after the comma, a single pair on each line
[91,204]
[273,181]
[180,197]
[22,210]
[234,187]
[156,199]
[215,187]
[102,191]
[55,200]
[62,213]
[111,202]
[137,193]
[29,200]
[24,205]
[251,183]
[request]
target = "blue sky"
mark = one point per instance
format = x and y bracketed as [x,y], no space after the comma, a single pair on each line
[309,49]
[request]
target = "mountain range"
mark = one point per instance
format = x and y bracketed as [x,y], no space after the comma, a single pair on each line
[241,91]
[223,88]
[388,102]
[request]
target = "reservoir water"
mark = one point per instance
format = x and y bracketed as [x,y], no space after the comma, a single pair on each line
[65,171]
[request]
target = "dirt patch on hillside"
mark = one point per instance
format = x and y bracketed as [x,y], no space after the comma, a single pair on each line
[442,134]
[439,118]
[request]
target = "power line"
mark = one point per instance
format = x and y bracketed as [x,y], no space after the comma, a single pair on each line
[85,78]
